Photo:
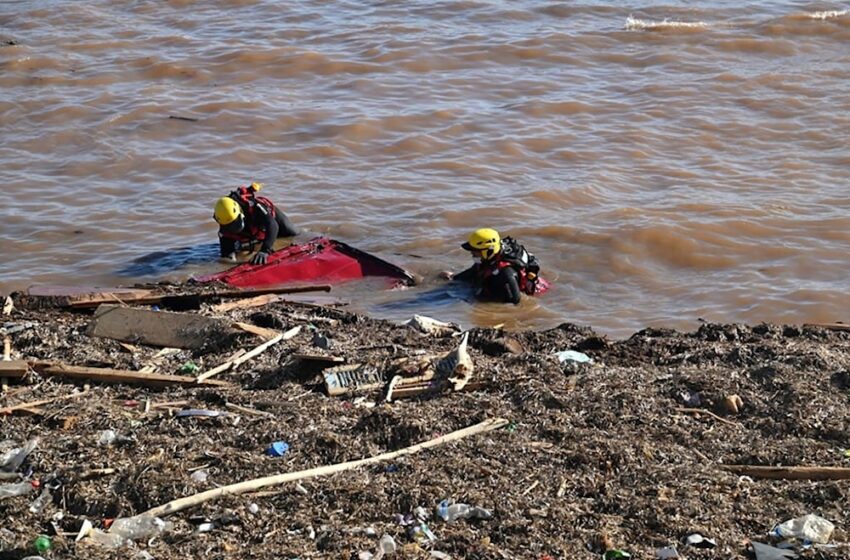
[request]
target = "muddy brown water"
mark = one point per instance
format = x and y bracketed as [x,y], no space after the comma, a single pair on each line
[665,162]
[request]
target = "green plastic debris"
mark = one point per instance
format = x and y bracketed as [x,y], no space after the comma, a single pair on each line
[511,427]
[188,367]
[615,554]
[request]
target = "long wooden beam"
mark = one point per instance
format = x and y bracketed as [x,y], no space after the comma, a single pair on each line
[87,301]
[830,326]
[107,375]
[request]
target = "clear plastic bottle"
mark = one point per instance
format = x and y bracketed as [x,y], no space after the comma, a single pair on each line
[13,459]
[386,547]
[453,512]
[43,499]
[16,489]
[139,527]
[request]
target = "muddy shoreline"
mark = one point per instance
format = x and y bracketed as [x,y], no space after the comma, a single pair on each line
[625,452]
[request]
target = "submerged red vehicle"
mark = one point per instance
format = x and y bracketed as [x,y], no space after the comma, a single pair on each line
[318,260]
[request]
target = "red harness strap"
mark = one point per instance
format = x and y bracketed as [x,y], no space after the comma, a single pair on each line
[248,201]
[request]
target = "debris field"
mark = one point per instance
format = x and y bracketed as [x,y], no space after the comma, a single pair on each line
[651,441]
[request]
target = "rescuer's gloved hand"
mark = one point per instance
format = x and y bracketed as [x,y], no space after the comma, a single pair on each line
[260,258]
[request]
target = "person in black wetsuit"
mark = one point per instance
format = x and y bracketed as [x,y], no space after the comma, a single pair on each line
[504,271]
[246,219]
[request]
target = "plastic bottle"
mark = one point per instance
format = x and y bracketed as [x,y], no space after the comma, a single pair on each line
[13,459]
[139,527]
[43,499]
[453,512]
[16,489]
[386,546]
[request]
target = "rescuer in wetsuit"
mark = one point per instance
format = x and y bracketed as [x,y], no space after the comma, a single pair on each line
[245,219]
[504,269]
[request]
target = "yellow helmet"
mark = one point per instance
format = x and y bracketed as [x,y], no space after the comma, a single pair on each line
[226,211]
[486,241]
[256,186]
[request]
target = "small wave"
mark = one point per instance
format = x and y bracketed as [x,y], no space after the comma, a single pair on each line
[634,24]
[828,14]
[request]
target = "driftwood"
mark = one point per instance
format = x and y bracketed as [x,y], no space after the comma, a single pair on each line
[106,375]
[32,407]
[247,410]
[275,480]
[236,361]
[790,473]
[708,413]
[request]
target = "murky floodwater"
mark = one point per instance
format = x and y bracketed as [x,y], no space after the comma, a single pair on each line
[665,162]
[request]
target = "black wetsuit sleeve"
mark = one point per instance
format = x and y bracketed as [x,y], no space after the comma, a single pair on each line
[285,226]
[467,275]
[227,246]
[271,232]
[509,285]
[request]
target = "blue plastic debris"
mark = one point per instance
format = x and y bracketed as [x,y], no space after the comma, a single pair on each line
[277,449]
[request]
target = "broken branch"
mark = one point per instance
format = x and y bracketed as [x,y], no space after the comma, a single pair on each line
[703,411]
[238,359]
[32,407]
[252,485]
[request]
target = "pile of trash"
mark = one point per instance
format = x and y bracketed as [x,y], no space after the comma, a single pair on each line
[276,426]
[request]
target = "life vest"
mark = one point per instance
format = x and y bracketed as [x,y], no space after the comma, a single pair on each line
[515,256]
[252,206]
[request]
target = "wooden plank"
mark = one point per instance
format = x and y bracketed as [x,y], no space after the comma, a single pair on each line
[184,301]
[248,303]
[258,350]
[118,296]
[790,473]
[155,328]
[267,299]
[241,357]
[262,332]
[13,368]
[322,358]
[830,326]
[84,291]
[403,391]
[107,375]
